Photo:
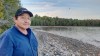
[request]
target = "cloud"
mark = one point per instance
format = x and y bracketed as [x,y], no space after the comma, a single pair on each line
[80,9]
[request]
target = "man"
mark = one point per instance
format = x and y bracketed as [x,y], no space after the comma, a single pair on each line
[19,40]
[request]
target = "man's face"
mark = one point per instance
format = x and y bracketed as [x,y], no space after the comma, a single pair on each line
[23,21]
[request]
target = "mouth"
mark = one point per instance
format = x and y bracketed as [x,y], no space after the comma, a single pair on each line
[26,24]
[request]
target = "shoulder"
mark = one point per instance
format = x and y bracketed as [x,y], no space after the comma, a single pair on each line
[6,34]
[7,31]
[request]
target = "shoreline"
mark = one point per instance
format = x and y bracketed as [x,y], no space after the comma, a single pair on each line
[50,43]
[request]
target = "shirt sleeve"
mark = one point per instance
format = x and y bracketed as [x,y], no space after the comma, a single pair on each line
[6,46]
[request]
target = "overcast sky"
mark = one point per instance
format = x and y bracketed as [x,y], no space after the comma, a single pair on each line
[76,9]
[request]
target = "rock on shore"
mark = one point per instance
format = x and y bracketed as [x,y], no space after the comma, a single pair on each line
[55,45]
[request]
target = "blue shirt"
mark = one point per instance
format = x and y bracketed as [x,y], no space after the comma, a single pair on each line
[15,43]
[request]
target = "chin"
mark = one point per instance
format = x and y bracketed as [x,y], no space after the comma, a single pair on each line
[25,26]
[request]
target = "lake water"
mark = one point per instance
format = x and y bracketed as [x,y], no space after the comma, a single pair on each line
[89,35]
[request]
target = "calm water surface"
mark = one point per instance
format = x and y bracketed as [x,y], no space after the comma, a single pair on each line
[89,35]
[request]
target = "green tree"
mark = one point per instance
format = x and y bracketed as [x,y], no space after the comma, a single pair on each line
[1,9]
[7,11]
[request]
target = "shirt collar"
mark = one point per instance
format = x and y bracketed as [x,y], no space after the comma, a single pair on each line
[28,30]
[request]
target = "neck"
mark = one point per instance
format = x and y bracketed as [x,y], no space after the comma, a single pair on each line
[24,31]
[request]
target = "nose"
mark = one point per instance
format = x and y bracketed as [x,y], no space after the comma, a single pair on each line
[26,20]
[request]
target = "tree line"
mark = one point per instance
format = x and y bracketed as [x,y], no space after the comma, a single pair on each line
[56,21]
